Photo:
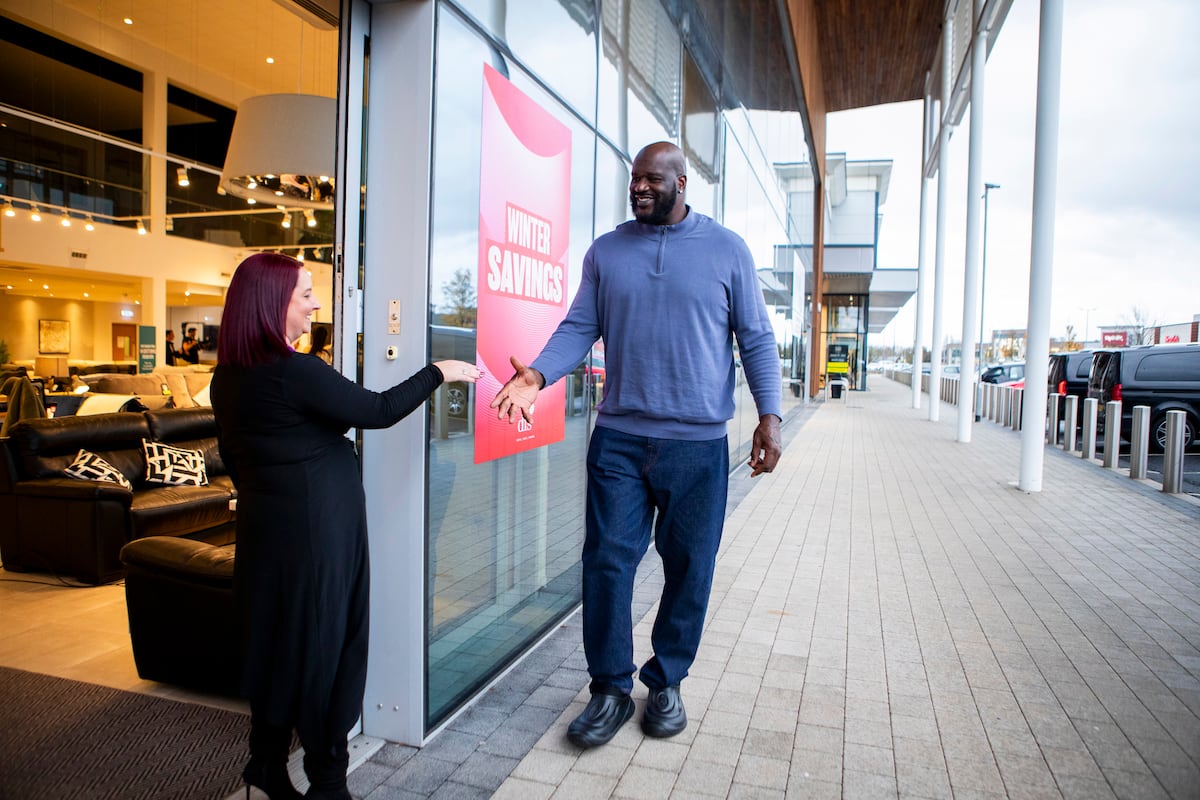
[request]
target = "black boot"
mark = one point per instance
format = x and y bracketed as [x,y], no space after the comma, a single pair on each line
[270,777]
[326,769]
[267,768]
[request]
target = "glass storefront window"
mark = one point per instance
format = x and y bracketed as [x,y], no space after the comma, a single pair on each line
[639,76]
[505,535]
[553,38]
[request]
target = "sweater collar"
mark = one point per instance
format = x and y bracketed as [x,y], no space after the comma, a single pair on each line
[685,225]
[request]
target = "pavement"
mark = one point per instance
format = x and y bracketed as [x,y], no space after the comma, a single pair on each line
[891,617]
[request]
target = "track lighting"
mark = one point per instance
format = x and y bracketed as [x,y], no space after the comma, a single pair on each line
[65,220]
[9,211]
[286,222]
[141,228]
[88,225]
[35,215]
[310,218]
[183,176]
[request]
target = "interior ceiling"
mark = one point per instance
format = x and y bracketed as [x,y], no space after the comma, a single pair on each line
[99,287]
[876,51]
[210,43]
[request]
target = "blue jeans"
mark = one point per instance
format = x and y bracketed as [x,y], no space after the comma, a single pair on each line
[629,478]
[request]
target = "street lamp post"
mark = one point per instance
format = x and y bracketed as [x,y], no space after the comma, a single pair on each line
[987,187]
[1087,318]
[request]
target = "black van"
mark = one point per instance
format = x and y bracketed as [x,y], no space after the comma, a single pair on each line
[1163,377]
[1068,375]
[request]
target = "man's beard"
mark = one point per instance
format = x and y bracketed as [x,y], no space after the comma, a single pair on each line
[660,212]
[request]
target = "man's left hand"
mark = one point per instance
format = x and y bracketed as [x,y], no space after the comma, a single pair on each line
[766,446]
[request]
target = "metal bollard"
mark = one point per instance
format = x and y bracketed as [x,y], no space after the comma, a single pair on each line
[1001,405]
[1091,407]
[1112,433]
[1173,453]
[1052,423]
[1139,445]
[1018,399]
[1070,414]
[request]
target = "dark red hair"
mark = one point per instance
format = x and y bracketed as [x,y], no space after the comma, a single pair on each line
[254,322]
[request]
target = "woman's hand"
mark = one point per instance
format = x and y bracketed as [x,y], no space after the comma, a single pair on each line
[454,371]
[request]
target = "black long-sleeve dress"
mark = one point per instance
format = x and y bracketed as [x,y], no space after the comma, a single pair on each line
[301,573]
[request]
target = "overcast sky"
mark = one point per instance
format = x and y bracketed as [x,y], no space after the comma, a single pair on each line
[1128,214]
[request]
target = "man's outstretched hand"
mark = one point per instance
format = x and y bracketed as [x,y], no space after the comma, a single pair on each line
[519,394]
[766,446]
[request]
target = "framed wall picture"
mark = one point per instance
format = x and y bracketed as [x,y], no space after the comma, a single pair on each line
[54,336]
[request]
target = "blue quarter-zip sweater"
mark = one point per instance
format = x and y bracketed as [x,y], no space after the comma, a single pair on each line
[668,301]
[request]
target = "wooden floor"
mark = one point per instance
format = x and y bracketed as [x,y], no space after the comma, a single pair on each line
[77,632]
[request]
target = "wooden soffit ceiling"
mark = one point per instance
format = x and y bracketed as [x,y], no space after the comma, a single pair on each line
[876,51]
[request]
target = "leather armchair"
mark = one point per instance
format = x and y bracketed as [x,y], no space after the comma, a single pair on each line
[183,620]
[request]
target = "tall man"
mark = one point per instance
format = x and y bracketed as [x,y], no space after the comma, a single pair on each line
[667,292]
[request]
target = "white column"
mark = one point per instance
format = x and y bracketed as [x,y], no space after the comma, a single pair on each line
[939,248]
[1041,261]
[971,282]
[922,268]
[154,312]
[154,137]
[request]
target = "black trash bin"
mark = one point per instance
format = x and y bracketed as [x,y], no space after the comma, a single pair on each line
[835,390]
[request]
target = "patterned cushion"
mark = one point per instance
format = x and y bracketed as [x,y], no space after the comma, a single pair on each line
[174,465]
[91,467]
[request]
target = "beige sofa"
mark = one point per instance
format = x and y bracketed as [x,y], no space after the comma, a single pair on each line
[187,388]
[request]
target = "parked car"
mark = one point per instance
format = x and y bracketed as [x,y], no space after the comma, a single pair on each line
[1009,374]
[1068,375]
[1163,377]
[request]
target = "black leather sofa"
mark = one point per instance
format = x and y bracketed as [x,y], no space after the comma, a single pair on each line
[53,523]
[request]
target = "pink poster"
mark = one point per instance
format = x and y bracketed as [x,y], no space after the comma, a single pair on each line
[524,226]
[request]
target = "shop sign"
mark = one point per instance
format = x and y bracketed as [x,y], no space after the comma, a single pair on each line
[524,224]
[147,349]
[1114,338]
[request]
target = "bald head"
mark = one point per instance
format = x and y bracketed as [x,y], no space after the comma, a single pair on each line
[657,184]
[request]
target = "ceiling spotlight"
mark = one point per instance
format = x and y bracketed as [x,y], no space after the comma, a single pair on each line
[287,220]
[65,220]
[220,190]
[251,201]
[252,184]
[270,60]
[86,295]
[310,218]
[141,228]
[9,211]
[88,225]
[300,255]
[35,215]
[128,21]
[183,176]
[187,293]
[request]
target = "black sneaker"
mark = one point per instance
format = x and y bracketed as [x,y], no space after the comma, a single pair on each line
[664,715]
[600,721]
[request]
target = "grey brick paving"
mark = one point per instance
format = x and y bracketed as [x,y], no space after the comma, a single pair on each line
[890,617]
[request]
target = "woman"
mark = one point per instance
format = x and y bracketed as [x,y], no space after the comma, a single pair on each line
[301,574]
[320,345]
